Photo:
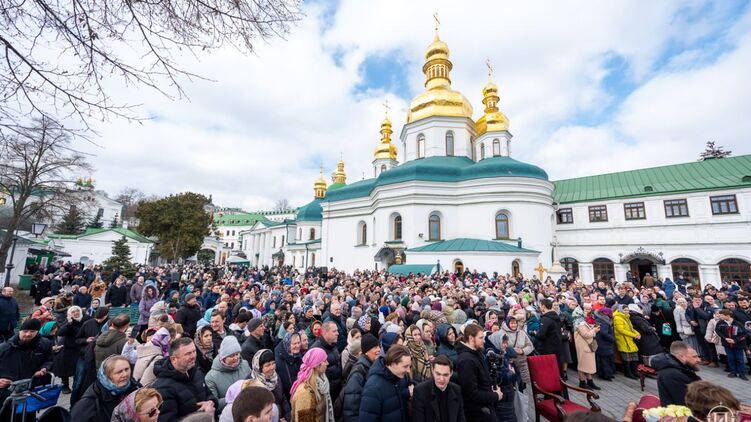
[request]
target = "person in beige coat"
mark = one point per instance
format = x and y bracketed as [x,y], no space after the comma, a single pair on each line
[522,345]
[585,331]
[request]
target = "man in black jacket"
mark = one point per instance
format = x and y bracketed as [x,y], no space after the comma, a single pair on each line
[550,332]
[25,355]
[181,383]
[327,342]
[675,371]
[478,393]
[254,341]
[188,315]
[117,294]
[439,399]
[85,371]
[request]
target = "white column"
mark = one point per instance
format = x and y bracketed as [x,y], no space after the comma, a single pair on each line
[620,271]
[710,274]
[586,273]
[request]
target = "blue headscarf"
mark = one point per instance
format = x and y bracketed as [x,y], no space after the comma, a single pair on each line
[109,385]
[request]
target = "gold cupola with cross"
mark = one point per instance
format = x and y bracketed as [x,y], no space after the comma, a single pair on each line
[319,187]
[493,120]
[385,152]
[438,99]
[339,177]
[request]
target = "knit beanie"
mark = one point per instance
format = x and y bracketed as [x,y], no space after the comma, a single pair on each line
[254,323]
[229,347]
[367,342]
[31,324]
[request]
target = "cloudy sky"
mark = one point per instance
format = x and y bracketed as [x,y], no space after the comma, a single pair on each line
[589,87]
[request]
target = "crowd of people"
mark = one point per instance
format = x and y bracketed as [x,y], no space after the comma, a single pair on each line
[274,344]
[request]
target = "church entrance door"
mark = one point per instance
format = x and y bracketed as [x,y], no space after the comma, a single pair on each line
[640,268]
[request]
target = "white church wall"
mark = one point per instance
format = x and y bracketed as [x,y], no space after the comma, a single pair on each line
[434,129]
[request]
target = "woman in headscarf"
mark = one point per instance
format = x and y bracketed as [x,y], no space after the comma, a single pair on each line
[157,310]
[141,405]
[585,331]
[313,331]
[522,345]
[311,399]
[228,367]
[112,385]
[154,349]
[348,357]
[288,357]
[420,359]
[66,361]
[446,335]
[149,297]
[205,350]
[91,310]
[364,324]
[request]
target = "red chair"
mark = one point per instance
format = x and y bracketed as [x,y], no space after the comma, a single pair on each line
[549,390]
[647,401]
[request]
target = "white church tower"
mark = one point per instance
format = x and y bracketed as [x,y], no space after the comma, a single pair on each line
[385,152]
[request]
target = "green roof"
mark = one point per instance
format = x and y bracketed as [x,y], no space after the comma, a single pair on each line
[440,169]
[237,219]
[405,269]
[91,231]
[707,175]
[335,186]
[467,245]
[311,211]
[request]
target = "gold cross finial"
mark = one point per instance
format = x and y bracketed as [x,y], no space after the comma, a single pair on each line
[321,168]
[437,22]
[540,269]
[490,68]
[386,107]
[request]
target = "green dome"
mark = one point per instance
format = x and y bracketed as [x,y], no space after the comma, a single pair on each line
[310,212]
[441,169]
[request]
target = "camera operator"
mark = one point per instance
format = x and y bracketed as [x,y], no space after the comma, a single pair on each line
[25,355]
[480,397]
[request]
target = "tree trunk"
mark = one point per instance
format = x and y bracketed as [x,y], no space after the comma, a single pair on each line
[8,239]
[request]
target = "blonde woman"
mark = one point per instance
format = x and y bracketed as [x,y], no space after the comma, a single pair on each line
[311,399]
[141,405]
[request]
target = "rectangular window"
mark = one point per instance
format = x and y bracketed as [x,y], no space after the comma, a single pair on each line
[676,208]
[724,204]
[598,213]
[565,216]
[634,211]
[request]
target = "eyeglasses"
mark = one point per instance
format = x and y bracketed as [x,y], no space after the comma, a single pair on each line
[151,413]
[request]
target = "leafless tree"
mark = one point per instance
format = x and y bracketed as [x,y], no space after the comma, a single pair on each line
[281,205]
[56,55]
[129,197]
[37,166]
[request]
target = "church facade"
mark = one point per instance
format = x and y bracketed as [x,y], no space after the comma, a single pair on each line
[451,196]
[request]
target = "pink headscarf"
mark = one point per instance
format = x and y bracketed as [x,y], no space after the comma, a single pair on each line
[310,361]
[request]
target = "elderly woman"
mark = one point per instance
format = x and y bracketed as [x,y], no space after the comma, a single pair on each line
[154,349]
[112,385]
[522,345]
[66,361]
[288,357]
[263,374]
[585,331]
[227,368]
[141,405]
[311,398]
[683,324]
[625,340]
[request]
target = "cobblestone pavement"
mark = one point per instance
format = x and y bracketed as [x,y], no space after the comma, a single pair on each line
[615,395]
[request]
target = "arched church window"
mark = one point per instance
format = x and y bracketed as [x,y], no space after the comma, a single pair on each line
[501,226]
[496,147]
[482,150]
[312,233]
[449,144]
[383,168]
[362,233]
[398,227]
[434,227]
[420,146]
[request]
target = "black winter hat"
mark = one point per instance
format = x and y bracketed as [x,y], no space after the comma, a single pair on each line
[31,324]
[367,342]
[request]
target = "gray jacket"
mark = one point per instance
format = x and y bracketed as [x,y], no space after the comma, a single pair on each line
[219,378]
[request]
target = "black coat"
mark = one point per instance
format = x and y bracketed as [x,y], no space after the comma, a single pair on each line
[20,361]
[67,358]
[476,384]
[287,368]
[250,346]
[649,343]
[549,335]
[117,296]
[84,301]
[97,404]
[188,317]
[425,403]
[353,389]
[9,314]
[384,397]
[179,391]
[605,337]
[673,379]
[334,370]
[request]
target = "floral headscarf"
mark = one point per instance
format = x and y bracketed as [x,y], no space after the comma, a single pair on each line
[287,341]
[363,322]
[256,372]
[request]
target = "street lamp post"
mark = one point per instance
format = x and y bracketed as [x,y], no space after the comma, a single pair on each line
[10,266]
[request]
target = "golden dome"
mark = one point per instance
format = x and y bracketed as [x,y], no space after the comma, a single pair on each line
[493,119]
[339,175]
[386,149]
[319,187]
[438,99]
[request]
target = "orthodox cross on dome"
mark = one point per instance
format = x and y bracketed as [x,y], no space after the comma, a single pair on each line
[540,269]
[490,68]
[386,107]
[437,22]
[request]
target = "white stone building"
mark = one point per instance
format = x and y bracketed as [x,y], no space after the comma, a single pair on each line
[95,245]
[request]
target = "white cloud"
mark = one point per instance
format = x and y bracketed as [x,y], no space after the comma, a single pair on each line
[257,133]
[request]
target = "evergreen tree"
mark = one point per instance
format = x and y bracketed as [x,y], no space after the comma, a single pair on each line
[120,259]
[96,222]
[114,223]
[711,151]
[72,223]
